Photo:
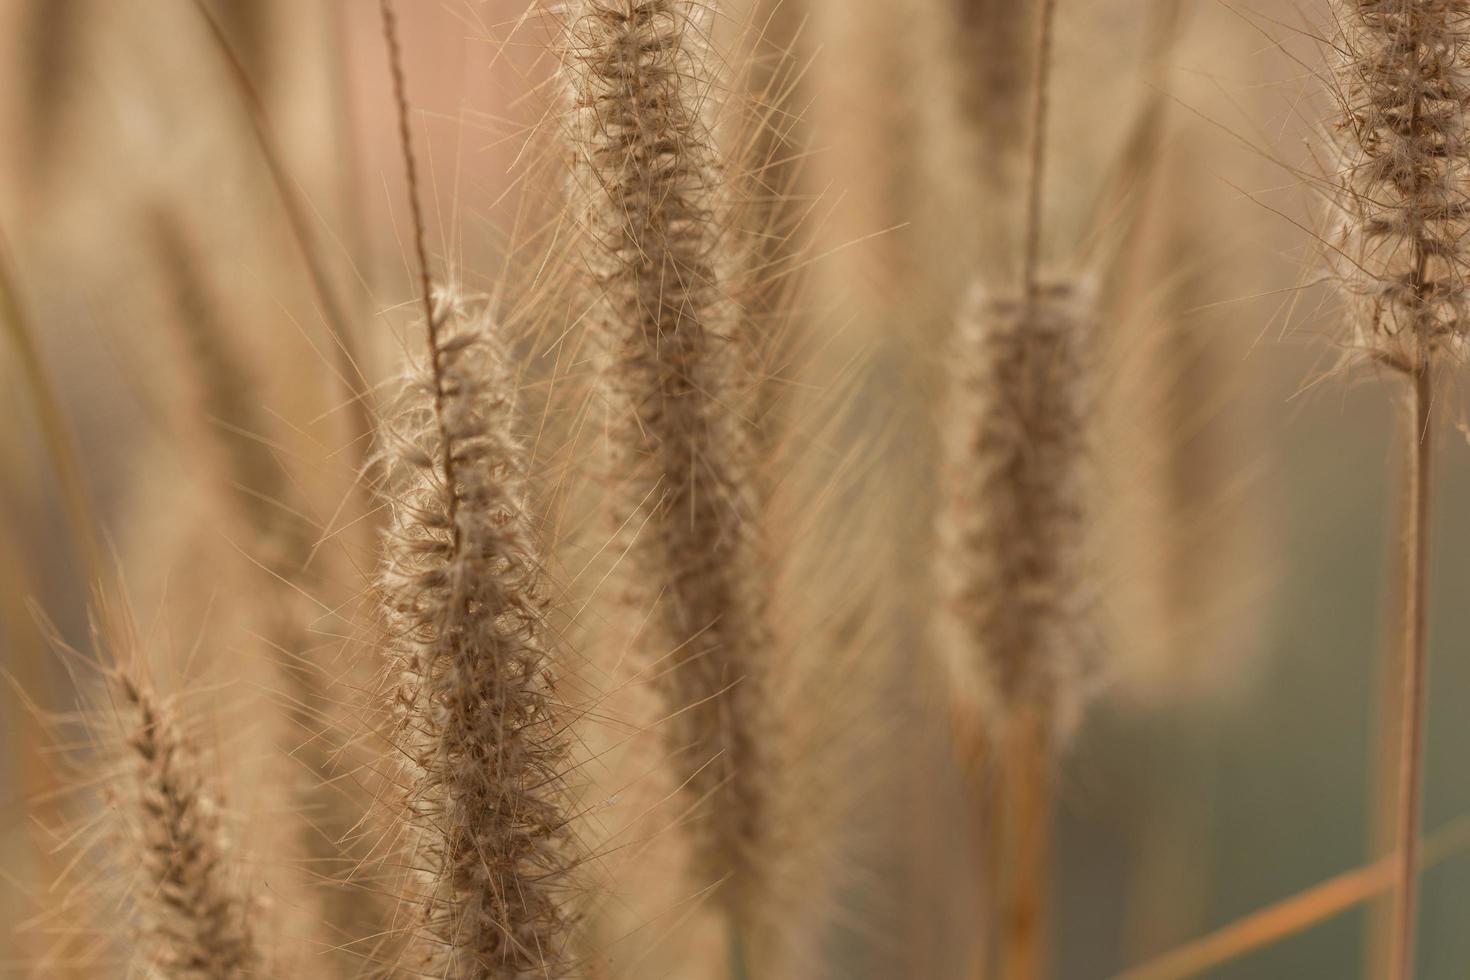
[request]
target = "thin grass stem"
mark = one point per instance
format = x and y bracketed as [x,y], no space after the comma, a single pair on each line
[1411,742]
[1037,178]
[1298,912]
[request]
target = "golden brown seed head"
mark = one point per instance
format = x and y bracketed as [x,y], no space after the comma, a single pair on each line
[650,194]
[1403,85]
[196,925]
[484,745]
[1014,524]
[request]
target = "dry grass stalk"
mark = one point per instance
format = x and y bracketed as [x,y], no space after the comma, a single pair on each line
[1403,83]
[195,921]
[651,196]
[479,724]
[1411,739]
[1297,913]
[1036,177]
[1387,726]
[1025,822]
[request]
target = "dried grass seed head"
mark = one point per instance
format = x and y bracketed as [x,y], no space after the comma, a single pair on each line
[478,725]
[194,920]
[1403,87]
[1014,525]
[651,194]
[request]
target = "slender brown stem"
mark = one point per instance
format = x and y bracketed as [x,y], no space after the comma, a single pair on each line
[1383,801]
[981,764]
[1298,912]
[431,325]
[1027,808]
[410,166]
[1038,149]
[1411,763]
[1268,925]
[990,850]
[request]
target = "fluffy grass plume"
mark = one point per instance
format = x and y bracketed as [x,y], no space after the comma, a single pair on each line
[1013,528]
[651,196]
[194,920]
[480,734]
[194,923]
[1402,82]
[469,649]
[483,741]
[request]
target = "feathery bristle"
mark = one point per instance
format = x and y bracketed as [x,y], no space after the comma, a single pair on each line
[1013,529]
[1403,85]
[195,924]
[479,726]
[653,201]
